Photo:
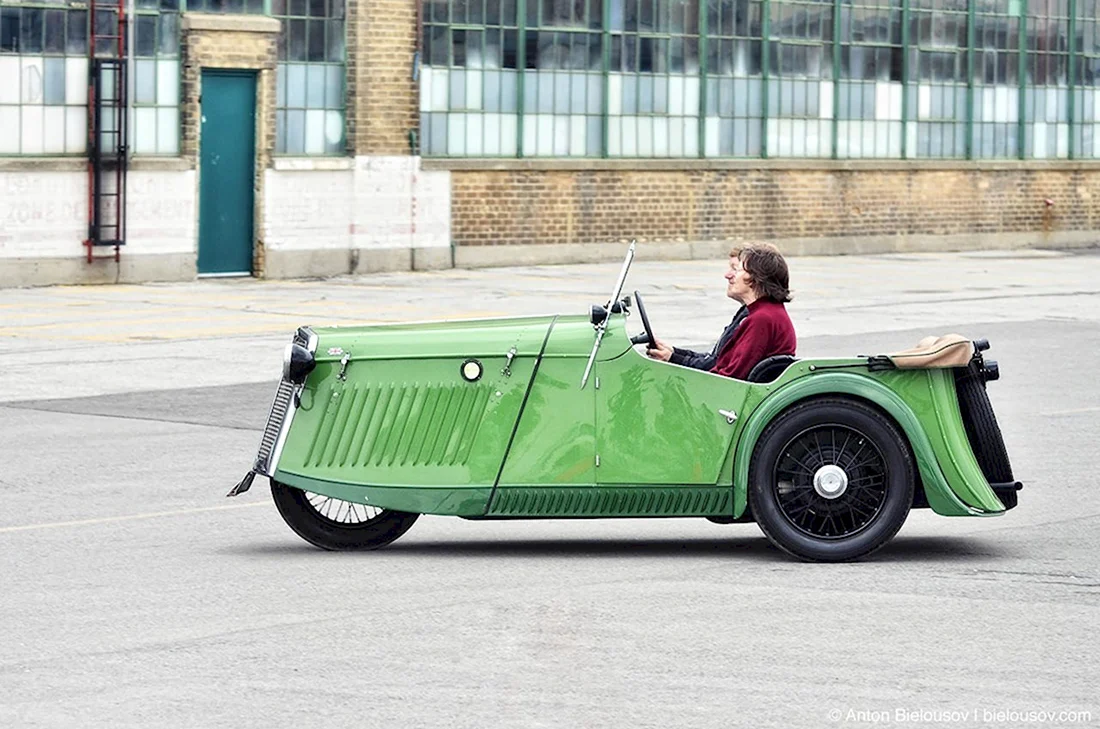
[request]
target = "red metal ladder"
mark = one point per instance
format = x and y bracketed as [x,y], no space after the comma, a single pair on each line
[107,122]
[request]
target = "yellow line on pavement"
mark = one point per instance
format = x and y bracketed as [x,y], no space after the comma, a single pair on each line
[1074,411]
[127,517]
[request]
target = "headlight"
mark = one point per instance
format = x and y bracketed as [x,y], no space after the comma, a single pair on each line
[298,362]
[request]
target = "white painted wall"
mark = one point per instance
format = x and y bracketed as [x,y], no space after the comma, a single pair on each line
[377,202]
[307,209]
[45,214]
[162,213]
[372,202]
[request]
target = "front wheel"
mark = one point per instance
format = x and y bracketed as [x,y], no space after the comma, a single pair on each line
[335,524]
[831,480]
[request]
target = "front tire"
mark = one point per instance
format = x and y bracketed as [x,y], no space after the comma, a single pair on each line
[831,480]
[334,524]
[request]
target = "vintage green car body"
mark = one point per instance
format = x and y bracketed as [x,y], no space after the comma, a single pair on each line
[561,417]
[402,429]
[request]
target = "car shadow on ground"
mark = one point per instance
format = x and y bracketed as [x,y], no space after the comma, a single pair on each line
[902,549]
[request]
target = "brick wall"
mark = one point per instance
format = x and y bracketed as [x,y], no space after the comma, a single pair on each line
[382,95]
[667,205]
[233,42]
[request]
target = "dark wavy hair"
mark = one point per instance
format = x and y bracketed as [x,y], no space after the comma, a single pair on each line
[770,276]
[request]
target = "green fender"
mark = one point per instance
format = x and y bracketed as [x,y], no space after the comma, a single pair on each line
[953,481]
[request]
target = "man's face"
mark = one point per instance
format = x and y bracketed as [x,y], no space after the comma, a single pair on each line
[739,282]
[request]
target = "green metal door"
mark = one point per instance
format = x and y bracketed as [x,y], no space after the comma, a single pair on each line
[227,160]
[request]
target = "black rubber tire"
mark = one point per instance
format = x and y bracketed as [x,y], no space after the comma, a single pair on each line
[327,534]
[899,479]
[980,422]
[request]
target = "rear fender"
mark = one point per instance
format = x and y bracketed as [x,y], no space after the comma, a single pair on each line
[953,481]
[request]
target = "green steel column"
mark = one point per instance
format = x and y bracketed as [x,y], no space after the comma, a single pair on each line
[1021,77]
[836,76]
[765,62]
[605,64]
[1071,102]
[521,61]
[703,78]
[971,20]
[905,79]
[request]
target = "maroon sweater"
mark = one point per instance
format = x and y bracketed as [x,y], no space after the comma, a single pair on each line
[765,332]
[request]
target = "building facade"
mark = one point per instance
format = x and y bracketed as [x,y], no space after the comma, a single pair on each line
[367,135]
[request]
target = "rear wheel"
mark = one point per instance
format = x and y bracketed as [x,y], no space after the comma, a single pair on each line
[831,480]
[335,524]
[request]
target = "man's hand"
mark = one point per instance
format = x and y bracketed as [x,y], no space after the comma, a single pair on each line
[660,351]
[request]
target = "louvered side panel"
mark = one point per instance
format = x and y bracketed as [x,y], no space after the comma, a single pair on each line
[400,425]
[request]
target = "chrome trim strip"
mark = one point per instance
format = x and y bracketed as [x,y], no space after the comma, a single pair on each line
[277,452]
[268,469]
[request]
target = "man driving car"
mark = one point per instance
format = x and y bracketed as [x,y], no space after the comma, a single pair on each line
[758,279]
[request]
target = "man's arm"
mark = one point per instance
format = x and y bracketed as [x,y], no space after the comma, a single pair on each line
[693,359]
[707,360]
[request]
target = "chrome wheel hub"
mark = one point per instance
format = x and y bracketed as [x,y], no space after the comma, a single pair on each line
[830,482]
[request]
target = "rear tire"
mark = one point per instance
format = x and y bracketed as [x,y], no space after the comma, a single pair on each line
[831,480]
[338,525]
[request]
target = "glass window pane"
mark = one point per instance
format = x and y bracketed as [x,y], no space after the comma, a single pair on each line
[280,132]
[316,40]
[55,31]
[315,131]
[9,29]
[145,82]
[334,87]
[315,87]
[334,132]
[335,43]
[296,85]
[168,34]
[296,47]
[168,83]
[168,131]
[53,87]
[145,35]
[30,31]
[295,132]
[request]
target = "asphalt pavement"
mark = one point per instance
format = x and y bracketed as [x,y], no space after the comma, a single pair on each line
[136,595]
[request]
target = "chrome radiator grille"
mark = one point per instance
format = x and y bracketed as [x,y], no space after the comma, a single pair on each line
[274,427]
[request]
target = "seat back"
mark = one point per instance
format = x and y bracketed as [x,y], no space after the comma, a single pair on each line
[768,369]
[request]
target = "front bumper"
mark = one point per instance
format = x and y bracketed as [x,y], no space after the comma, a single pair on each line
[279,420]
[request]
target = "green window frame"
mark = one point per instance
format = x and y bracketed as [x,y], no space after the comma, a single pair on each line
[44,72]
[310,84]
[878,79]
[45,111]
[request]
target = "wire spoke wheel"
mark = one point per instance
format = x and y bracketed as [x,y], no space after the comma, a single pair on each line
[331,523]
[341,512]
[830,481]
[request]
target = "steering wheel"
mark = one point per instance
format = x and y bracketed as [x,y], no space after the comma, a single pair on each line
[647,337]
